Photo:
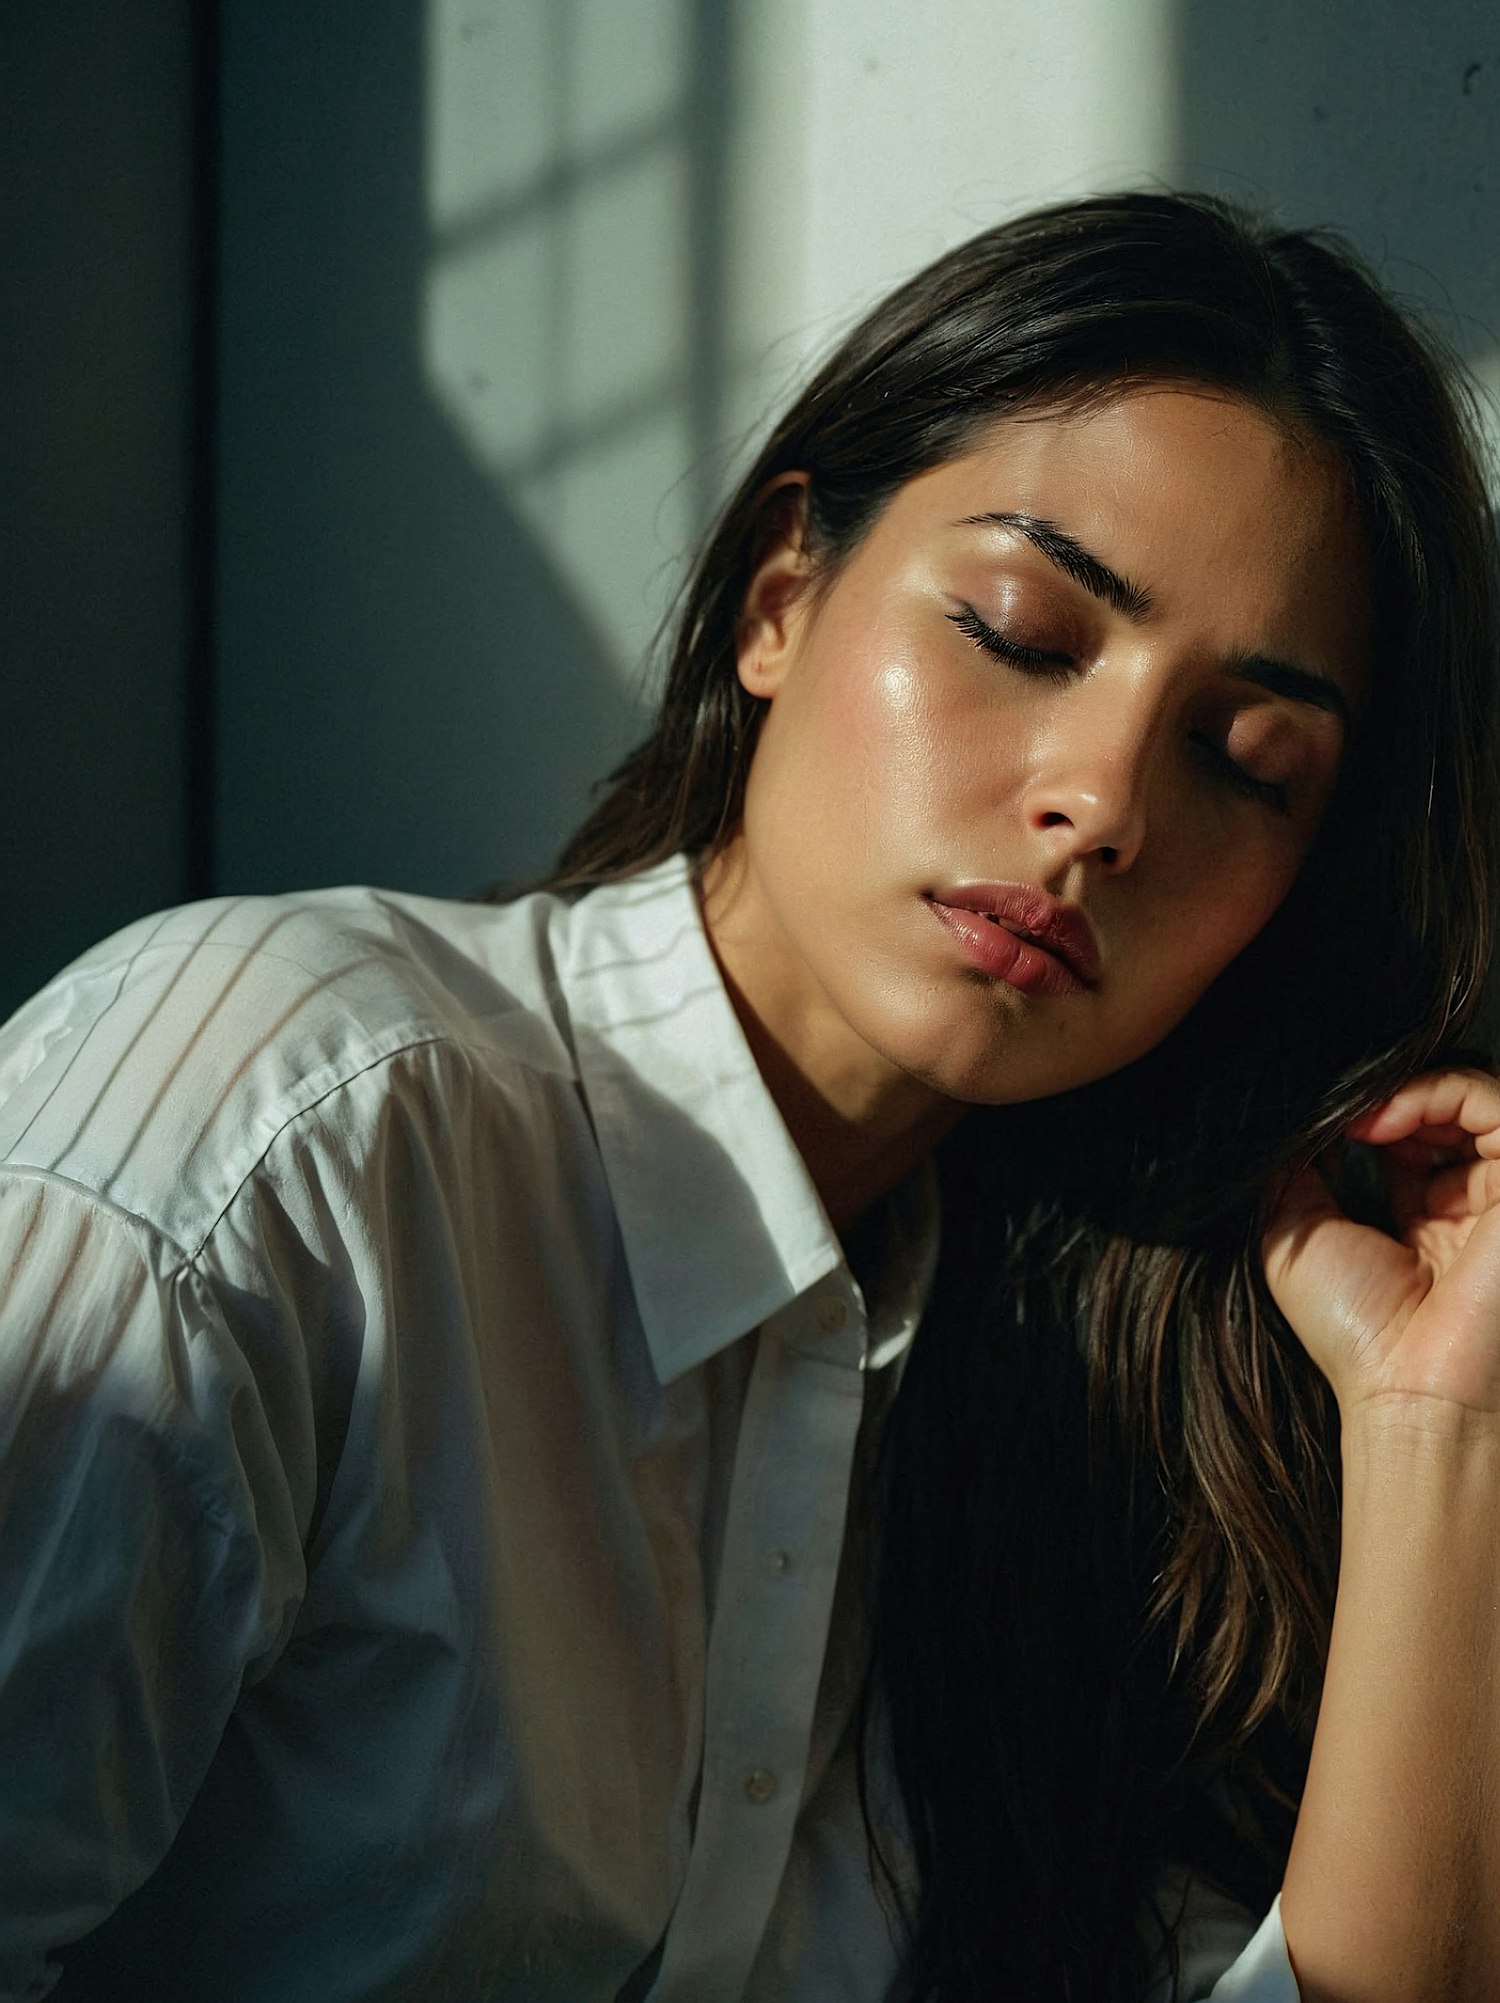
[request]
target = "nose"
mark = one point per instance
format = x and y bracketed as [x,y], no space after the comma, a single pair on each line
[1088,795]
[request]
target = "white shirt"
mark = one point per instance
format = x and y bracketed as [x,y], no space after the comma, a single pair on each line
[434,1413]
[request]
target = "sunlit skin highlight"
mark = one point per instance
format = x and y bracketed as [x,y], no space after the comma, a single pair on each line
[898,757]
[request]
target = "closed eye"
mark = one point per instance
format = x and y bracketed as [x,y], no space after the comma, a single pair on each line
[1267,791]
[1061,668]
[1032,660]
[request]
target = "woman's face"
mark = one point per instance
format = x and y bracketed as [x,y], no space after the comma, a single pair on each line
[1091,679]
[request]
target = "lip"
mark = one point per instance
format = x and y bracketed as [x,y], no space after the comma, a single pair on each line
[1020,935]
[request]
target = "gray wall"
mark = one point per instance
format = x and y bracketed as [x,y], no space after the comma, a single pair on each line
[1383,121]
[95,121]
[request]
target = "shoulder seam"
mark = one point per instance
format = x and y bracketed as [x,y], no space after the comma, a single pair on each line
[348,1077]
[13,1171]
[189,1256]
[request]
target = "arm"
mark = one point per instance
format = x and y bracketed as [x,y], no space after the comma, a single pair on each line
[1392,1891]
[144,1565]
[1393,1886]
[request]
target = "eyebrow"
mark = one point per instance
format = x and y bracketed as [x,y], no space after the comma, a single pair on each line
[1072,559]
[1134,600]
[1300,684]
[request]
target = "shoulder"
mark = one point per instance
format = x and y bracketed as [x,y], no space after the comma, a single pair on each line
[158,1069]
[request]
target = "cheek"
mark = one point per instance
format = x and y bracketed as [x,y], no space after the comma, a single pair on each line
[868,740]
[873,718]
[945,749]
[1215,908]
[838,769]
[1177,959]
[897,738]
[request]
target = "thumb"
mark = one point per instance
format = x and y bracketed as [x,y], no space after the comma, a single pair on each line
[1303,1204]
[1339,1284]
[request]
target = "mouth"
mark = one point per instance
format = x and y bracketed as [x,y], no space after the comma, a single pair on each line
[1021,935]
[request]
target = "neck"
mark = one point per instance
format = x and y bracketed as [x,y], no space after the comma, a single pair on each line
[854,1156]
[858,1122]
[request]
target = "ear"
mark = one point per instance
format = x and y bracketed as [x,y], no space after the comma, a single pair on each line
[777,588]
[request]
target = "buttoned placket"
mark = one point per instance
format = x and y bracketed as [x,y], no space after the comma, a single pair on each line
[783,1536]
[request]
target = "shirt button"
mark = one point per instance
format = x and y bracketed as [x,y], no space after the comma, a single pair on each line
[760,1784]
[832,1314]
[779,1561]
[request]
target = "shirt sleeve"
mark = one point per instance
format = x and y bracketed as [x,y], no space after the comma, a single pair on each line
[150,1562]
[1225,1955]
[1262,1971]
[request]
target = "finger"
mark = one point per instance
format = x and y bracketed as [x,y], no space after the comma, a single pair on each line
[1465,1190]
[1462,1104]
[1429,1148]
[1328,1274]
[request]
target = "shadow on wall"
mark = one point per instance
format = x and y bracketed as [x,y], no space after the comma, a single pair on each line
[1382,121]
[413,690]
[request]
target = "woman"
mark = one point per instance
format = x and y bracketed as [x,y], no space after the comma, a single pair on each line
[461,1535]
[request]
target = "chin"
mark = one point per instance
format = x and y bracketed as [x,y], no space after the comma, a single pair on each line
[1006,1063]
[1018,1085]
[989,1067]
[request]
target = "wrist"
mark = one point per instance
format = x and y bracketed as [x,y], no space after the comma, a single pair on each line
[1420,1486]
[1407,1427]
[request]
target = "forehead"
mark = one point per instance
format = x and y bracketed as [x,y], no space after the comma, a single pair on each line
[1238,525]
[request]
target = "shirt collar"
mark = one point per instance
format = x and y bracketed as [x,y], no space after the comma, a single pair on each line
[901,1286]
[689,1133]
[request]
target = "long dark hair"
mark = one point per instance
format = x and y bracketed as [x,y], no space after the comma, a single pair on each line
[1107,1500]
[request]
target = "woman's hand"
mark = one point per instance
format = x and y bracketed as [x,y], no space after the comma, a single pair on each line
[1415,1317]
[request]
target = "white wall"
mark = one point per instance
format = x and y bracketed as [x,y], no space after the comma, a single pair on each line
[917,124]
[559,324]
[874,134]
[864,137]
[566,167]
